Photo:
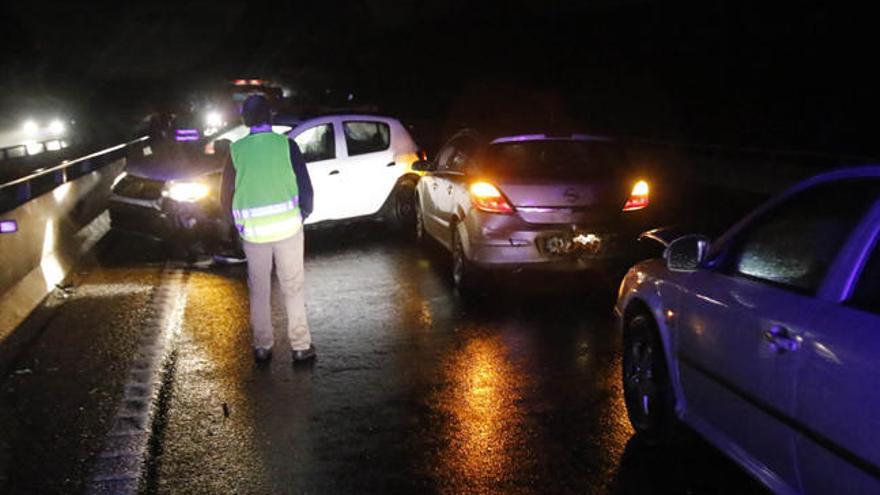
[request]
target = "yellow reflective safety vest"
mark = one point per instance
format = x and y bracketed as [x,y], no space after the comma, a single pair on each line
[265,204]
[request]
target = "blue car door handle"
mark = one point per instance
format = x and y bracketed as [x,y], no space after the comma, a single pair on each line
[781,340]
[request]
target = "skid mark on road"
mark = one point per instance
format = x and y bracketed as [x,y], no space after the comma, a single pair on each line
[119,469]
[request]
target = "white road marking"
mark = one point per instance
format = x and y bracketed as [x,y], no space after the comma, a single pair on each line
[120,467]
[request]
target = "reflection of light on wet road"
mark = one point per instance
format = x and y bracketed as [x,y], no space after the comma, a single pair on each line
[615,428]
[425,317]
[211,450]
[485,423]
[108,290]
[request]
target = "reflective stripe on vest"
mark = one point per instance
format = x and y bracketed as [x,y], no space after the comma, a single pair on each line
[263,211]
[271,232]
[269,223]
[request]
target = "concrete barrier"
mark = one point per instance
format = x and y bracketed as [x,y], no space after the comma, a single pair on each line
[50,232]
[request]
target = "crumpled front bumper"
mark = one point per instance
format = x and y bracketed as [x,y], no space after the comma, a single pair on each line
[169,220]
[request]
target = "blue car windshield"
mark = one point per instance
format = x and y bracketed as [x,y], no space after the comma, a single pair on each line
[554,159]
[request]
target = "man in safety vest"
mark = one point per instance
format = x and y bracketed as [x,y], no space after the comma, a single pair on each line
[267,190]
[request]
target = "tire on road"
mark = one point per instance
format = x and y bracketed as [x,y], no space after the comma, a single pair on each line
[400,208]
[465,276]
[419,224]
[647,388]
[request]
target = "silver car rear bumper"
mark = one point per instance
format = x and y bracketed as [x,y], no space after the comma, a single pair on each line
[507,242]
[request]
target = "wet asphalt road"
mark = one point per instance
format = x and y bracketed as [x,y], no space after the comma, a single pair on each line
[415,389]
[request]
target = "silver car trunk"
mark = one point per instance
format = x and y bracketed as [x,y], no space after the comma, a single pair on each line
[553,201]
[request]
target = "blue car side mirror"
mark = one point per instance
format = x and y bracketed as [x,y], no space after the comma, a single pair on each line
[686,253]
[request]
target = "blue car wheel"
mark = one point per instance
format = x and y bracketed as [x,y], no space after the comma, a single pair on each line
[646,387]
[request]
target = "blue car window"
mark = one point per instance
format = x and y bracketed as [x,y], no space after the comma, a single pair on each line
[867,294]
[795,243]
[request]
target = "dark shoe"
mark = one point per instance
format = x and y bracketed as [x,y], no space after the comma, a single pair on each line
[262,356]
[304,355]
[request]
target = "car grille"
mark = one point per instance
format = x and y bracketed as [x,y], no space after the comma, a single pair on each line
[139,188]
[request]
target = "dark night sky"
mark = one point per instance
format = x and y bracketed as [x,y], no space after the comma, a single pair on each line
[719,72]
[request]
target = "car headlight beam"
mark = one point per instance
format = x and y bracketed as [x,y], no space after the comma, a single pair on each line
[213,119]
[187,192]
[57,127]
[30,127]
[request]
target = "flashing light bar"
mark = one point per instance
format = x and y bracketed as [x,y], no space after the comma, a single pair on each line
[8,226]
[186,135]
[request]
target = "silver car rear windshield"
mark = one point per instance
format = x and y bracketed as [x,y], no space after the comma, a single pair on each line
[556,158]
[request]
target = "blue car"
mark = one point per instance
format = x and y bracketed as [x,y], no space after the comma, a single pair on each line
[766,341]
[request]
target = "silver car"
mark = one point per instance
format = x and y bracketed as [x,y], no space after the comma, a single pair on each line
[532,201]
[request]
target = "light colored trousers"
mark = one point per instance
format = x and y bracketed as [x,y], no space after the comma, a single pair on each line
[288,257]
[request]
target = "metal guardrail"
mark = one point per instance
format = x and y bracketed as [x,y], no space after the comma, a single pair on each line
[22,190]
[33,148]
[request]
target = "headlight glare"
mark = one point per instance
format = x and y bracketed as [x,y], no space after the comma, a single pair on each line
[57,127]
[213,119]
[187,192]
[30,127]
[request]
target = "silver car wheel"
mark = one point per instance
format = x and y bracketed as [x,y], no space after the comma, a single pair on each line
[420,222]
[458,260]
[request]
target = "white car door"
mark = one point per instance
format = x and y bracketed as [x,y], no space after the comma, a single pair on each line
[370,170]
[837,398]
[316,141]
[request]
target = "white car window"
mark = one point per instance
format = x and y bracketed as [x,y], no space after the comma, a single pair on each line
[362,137]
[316,143]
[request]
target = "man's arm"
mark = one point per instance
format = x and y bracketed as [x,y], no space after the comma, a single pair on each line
[227,187]
[303,181]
